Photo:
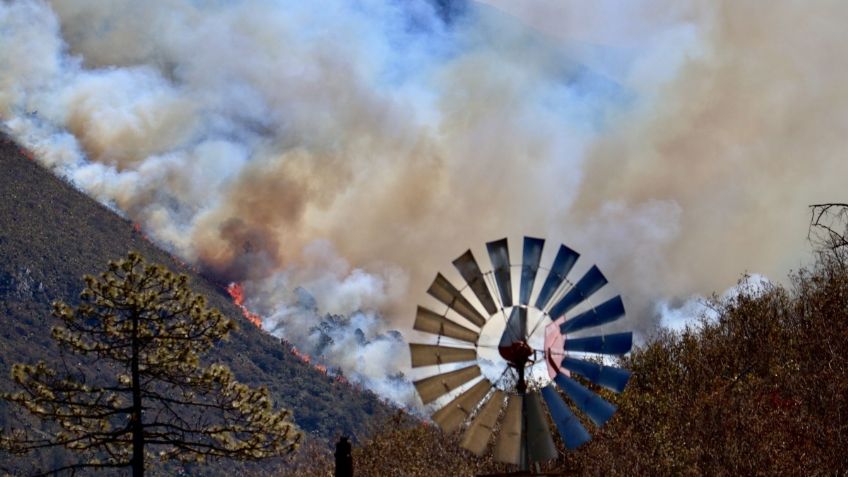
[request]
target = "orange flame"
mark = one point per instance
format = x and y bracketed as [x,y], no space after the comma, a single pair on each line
[137,229]
[26,153]
[308,360]
[303,357]
[236,291]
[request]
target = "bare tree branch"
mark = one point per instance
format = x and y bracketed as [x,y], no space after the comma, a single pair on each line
[829,225]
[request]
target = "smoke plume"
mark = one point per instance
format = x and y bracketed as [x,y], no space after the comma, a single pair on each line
[332,156]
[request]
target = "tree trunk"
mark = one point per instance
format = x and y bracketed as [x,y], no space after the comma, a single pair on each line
[137,425]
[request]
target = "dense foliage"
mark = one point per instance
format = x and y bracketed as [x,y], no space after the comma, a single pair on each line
[761,390]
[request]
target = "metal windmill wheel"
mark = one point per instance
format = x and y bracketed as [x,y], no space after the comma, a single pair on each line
[511,406]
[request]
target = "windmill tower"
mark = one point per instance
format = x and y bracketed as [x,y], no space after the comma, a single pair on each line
[511,403]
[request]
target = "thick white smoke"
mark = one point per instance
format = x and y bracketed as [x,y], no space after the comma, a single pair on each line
[332,156]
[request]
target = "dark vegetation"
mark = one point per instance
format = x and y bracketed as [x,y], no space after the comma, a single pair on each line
[51,235]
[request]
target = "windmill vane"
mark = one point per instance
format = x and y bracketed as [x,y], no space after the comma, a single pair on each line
[518,409]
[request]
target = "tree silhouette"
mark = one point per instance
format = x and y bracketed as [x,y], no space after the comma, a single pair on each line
[146,331]
[829,227]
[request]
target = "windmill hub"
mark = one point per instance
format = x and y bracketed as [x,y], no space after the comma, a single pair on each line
[517,354]
[504,344]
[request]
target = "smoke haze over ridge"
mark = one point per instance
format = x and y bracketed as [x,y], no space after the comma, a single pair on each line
[334,156]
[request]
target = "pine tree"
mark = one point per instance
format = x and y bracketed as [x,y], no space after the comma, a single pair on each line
[146,332]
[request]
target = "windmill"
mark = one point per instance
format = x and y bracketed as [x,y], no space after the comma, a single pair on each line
[512,401]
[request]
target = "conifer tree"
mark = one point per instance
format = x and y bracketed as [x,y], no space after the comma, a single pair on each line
[151,397]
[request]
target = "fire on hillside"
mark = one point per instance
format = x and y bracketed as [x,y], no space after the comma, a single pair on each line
[236,291]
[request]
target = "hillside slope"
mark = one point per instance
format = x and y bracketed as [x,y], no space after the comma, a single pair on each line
[52,234]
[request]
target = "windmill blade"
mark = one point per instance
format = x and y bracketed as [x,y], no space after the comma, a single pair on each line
[445,292]
[529,267]
[499,255]
[591,282]
[597,408]
[450,417]
[428,355]
[429,321]
[540,445]
[606,312]
[610,377]
[516,327]
[508,444]
[477,436]
[433,387]
[573,433]
[564,261]
[470,271]
[617,343]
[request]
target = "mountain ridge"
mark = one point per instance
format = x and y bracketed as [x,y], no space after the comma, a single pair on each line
[51,234]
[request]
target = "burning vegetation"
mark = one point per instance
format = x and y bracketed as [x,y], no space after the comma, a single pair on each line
[236,291]
[307,359]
